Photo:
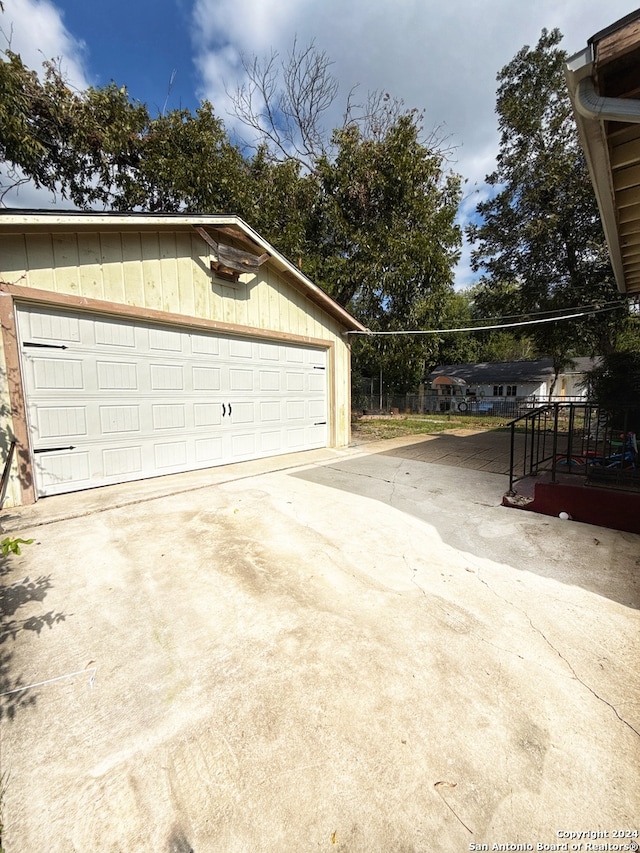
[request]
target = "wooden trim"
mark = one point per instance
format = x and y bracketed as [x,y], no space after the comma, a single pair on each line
[12,293]
[151,315]
[17,398]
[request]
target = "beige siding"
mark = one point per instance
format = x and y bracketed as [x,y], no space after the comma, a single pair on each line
[170,272]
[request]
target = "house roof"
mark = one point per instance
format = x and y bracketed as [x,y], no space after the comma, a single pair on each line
[488,373]
[217,225]
[604,86]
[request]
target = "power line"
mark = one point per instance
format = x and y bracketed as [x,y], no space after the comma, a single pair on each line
[586,313]
[616,303]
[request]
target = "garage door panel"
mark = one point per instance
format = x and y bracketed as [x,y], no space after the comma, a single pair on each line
[240,348]
[116,376]
[167,377]
[122,461]
[119,419]
[317,409]
[295,410]
[270,441]
[270,411]
[168,416]
[60,421]
[55,374]
[170,454]
[44,326]
[111,334]
[317,382]
[207,414]
[295,438]
[166,340]
[206,378]
[112,401]
[59,470]
[241,380]
[243,446]
[209,450]
[242,413]
[204,345]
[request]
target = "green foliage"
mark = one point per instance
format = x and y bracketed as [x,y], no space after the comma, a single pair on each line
[12,546]
[368,212]
[184,162]
[540,241]
[382,240]
[74,143]
[615,384]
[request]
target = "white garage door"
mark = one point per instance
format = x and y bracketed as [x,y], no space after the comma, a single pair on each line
[111,400]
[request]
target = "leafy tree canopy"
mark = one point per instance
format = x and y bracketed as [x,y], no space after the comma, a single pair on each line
[367,211]
[540,244]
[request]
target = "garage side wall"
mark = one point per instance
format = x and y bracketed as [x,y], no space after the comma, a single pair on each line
[166,272]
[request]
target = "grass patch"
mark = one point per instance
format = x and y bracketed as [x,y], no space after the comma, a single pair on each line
[373,429]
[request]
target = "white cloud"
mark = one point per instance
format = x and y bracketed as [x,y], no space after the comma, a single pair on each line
[35,30]
[443,57]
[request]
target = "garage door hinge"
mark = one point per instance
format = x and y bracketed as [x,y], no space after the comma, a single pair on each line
[53,449]
[44,346]
[320,423]
[317,367]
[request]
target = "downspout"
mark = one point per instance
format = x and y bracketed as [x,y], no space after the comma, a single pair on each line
[592,105]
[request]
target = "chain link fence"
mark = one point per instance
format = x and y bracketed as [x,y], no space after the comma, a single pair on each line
[366,399]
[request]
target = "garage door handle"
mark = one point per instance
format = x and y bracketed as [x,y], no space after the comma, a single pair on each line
[229,409]
[224,409]
[54,449]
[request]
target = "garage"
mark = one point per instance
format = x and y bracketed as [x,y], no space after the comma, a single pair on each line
[111,400]
[137,346]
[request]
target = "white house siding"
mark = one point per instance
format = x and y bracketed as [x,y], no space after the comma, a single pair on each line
[156,271]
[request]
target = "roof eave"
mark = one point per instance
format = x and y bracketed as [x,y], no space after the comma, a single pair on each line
[104,220]
[594,144]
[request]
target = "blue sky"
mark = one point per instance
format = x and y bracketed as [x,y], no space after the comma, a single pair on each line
[442,57]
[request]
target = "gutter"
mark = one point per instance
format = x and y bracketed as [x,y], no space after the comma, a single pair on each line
[591,105]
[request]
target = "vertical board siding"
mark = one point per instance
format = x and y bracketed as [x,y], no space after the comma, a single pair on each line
[132,270]
[13,259]
[111,260]
[90,268]
[170,272]
[41,265]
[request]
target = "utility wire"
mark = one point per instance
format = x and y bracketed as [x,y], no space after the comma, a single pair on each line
[586,313]
[588,308]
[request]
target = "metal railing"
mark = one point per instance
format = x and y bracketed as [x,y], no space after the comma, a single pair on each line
[577,439]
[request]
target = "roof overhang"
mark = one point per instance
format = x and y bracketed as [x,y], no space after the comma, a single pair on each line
[221,227]
[604,88]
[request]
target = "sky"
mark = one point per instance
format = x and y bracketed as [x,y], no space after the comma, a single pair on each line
[440,56]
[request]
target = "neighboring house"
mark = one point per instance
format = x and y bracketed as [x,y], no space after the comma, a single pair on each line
[604,84]
[491,382]
[136,345]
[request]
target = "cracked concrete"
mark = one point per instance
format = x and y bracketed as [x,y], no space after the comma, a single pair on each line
[349,651]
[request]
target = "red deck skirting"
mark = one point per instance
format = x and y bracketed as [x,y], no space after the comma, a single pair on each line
[618,510]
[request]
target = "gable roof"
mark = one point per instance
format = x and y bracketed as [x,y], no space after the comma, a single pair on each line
[490,372]
[217,225]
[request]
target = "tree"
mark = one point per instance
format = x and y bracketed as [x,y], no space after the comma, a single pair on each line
[67,142]
[367,211]
[184,162]
[384,240]
[540,242]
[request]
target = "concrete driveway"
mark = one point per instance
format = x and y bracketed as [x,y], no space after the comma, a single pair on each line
[339,651]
